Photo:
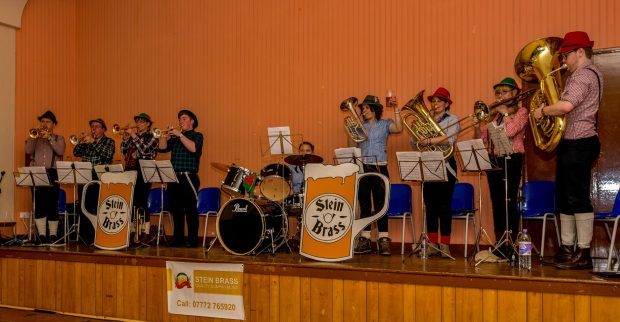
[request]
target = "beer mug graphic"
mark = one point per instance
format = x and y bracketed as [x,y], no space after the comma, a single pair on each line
[329,225]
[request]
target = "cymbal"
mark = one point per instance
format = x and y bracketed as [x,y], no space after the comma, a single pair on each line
[303,159]
[220,166]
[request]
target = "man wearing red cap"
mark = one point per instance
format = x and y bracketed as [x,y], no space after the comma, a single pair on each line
[578,149]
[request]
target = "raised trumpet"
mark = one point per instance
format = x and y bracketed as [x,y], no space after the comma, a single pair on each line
[118,130]
[37,132]
[159,133]
[75,139]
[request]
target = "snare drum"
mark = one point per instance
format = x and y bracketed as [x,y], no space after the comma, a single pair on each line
[245,227]
[294,204]
[233,183]
[275,184]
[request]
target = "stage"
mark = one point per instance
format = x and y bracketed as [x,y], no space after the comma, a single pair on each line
[285,287]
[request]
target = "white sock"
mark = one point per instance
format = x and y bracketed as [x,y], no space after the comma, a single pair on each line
[41,224]
[585,225]
[365,234]
[568,230]
[383,234]
[53,227]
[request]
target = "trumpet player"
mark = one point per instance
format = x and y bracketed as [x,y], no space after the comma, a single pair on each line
[186,146]
[374,149]
[138,143]
[97,149]
[45,150]
[513,120]
[438,195]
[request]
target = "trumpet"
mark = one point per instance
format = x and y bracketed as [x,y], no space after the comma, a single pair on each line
[37,132]
[159,133]
[77,139]
[118,130]
[353,124]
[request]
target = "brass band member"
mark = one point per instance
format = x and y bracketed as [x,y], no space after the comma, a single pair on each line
[438,195]
[513,120]
[186,146]
[45,150]
[578,149]
[139,144]
[297,173]
[98,149]
[374,149]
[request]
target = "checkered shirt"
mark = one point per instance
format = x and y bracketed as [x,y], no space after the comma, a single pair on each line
[100,152]
[182,160]
[582,90]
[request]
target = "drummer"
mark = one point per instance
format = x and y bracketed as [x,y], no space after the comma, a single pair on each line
[298,174]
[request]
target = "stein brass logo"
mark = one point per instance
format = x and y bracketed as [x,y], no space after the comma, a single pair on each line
[328,217]
[115,214]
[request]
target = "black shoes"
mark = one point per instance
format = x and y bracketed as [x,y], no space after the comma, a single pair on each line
[581,259]
[384,244]
[363,246]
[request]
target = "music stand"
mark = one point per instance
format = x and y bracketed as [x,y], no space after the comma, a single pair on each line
[352,155]
[32,177]
[73,173]
[154,171]
[423,167]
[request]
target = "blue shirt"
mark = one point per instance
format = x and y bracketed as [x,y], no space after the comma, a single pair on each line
[374,149]
[298,178]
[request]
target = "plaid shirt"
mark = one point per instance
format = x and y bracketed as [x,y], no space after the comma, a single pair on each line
[144,147]
[100,152]
[583,91]
[183,160]
[514,125]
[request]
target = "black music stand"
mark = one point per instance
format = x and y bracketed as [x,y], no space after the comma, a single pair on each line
[32,177]
[74,173]
[158,172]
[423,167]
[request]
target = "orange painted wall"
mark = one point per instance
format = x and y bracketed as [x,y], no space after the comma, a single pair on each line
[243,66]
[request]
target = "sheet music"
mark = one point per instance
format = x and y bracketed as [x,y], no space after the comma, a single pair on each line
[39,176]
[474,155]
[83,172]
[409,165]
[499,139]
[349,155]
[421,166]
[280,140]
[150,173]
[434,166]
[103,168]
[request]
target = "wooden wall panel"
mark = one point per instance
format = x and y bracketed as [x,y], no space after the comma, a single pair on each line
[243,66]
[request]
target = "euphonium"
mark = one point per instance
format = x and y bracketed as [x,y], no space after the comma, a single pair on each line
[354,126]
[538,62]
[421,125]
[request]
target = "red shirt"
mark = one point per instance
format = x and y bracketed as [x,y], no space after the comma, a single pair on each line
[583,91]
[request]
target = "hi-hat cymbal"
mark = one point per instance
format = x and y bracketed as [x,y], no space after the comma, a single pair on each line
[220,166]
[303,159]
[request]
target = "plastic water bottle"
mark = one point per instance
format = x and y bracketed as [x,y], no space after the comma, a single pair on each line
[525,250]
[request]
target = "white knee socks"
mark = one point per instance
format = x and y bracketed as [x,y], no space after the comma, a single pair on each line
[568,229]
[585,225]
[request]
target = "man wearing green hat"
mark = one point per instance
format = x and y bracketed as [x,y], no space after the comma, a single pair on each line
[513,121]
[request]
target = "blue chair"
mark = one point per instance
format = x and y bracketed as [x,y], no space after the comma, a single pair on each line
[606,217]
[208,204]
[462,207]
[154,204]
[538,202]
[401,207]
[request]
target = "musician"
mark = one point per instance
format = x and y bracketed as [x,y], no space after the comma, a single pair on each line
[98,149]
[139,144]
[438,195]
[578,149]
[298,174]
[513,121]
[186,146]
[374,150]
[44,151]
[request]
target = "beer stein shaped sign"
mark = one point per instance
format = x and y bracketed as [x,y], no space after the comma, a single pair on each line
[329,225]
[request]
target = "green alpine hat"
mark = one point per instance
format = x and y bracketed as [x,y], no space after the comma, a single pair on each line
[508,81]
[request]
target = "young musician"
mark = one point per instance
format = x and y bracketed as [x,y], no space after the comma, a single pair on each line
[578,149]
[438,195]
[45,150]
[513,121]
[186,146]
[298,174]
[374,151]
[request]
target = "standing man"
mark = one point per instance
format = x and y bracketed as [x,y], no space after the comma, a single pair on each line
[186,146]
[44,151]
[374,152]
[97,149]
[578,149]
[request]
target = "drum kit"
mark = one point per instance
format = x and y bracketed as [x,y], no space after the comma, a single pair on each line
[249,225]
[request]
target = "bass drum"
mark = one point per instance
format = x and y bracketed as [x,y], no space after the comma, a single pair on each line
[245,227]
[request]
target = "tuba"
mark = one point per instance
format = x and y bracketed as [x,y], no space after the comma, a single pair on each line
[421,125]
[538,62]
[354,126]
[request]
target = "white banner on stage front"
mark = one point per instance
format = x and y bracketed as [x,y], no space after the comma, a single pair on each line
[205,289]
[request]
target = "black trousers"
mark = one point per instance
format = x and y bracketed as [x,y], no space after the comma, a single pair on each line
[46,198]
[497,189]
[438,199]
[574,173]
[141,190]
[183,206]
[374,187]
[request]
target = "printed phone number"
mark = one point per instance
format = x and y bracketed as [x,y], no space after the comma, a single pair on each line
[214,306]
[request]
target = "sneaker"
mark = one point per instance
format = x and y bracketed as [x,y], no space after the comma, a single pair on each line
[384,244]
[445,250]
[363,246]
